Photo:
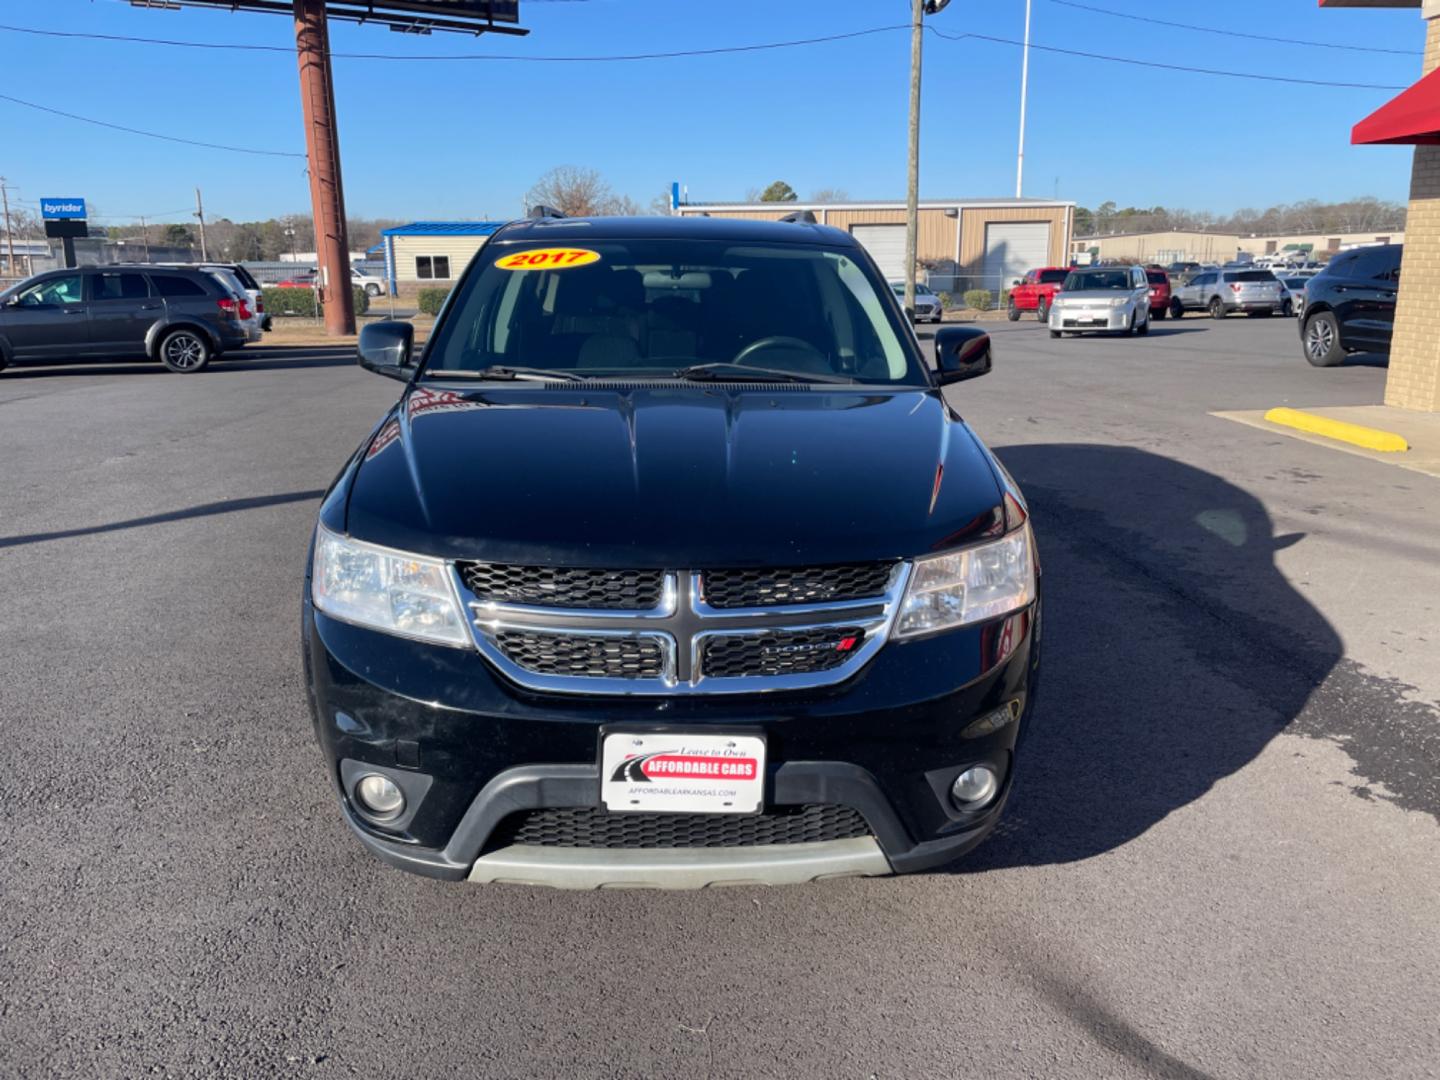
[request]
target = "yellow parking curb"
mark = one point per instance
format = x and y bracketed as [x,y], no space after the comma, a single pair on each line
[1368,437]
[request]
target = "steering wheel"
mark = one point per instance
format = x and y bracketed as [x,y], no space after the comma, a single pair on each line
[778,341]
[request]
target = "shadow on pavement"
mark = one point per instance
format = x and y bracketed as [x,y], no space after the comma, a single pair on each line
[227,506]
[1156,682]
[254,358]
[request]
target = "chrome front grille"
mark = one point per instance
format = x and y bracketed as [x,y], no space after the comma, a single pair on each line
[679,632]
[563,587]
[773,586]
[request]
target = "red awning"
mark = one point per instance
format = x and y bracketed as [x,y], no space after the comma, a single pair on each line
[1413,118]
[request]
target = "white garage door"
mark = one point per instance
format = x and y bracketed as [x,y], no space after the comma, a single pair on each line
[1012,248]
[886,245]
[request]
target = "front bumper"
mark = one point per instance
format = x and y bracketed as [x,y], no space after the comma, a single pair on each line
[1079,321]
[470,749]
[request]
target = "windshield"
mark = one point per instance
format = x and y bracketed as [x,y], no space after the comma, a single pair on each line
[653,307]
[1097,279]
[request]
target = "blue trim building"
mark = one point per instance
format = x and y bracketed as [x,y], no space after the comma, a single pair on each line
[432,251]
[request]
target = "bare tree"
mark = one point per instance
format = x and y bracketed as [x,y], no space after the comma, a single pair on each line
[829,195]
[574,191]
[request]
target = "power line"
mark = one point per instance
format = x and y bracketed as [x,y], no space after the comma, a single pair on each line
[1236,33]
[1167,67]
[148,134]
[228,47]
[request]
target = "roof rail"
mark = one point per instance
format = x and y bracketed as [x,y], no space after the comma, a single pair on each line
[800,217]
[541,211]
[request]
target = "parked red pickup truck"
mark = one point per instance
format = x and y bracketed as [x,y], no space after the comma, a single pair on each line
[1159,291]
[1036,291]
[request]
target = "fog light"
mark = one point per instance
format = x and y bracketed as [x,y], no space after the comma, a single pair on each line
[380,795]
[974,787]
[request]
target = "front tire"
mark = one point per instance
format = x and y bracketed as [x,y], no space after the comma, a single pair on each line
[1287,309]
[1144,328]
[1054,333]
[185,352]
[1177,309]
[372,290]
[1042,311]
[1217,309]
[1322,341]
[1012,312]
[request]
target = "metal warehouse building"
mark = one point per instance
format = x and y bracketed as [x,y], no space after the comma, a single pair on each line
[962,243]
[433,252]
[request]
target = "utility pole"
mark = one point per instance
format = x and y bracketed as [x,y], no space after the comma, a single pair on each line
[1024,87]
[200,213]
[322,144]
[9,236]
[912,186]
[145,237]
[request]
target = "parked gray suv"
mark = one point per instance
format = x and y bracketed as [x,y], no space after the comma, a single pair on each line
[183,318]
[1255,292]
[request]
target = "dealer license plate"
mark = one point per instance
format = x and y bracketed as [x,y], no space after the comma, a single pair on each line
[686,774]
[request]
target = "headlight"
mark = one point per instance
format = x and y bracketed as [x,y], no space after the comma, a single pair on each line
[1120,301]
[388,590]
[968,586]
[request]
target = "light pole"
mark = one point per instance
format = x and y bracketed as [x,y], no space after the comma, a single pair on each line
[1024,86]
[912,189]
[291,234]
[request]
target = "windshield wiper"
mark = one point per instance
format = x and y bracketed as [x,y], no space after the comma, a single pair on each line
[724,371]
[499,371]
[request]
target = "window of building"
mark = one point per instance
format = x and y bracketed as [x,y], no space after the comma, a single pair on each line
[432,267]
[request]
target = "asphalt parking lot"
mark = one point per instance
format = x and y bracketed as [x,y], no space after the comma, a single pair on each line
[1221,859]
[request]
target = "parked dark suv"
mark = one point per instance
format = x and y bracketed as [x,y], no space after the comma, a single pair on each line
[672,566]
[1350,305]
[183,318]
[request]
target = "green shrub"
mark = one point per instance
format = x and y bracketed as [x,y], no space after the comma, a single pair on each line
[978,299]
[431,300]
[946,301]
[302,302]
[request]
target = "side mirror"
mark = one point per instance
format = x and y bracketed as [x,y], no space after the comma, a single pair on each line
[1015,282]
[385,349]
[961,352]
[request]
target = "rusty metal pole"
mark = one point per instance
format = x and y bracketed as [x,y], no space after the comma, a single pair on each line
[322,145]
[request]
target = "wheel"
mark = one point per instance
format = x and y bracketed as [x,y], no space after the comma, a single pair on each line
[1012,312]
[1054,333]
[1322,340]
[185,351]
[1042,311]
[372,290]
[1287,309]
[1217,309]
[1177,309]
[1144,328]
[1132,328]
[1157,313]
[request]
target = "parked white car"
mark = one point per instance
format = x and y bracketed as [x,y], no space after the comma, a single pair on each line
[252,318]
[372,285]
[927,304]
[1102,298]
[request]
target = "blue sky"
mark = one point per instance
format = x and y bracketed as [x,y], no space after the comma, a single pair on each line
[466,139]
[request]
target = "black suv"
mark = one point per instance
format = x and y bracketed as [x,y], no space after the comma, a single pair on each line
[671,566]
[183,318]
[1350,305]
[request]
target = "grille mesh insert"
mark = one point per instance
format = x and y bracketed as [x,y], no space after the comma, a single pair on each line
[564,587]
[795,585]
[594,827]
[779,652]
[583,655]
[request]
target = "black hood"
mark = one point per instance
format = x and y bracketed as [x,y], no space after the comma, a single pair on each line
[672,476]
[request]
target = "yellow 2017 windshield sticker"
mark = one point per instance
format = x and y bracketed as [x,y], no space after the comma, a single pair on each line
[548,259]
